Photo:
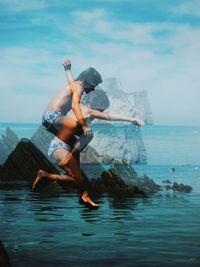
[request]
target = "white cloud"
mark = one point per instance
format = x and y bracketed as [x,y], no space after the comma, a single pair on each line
[191,7]
[131,52]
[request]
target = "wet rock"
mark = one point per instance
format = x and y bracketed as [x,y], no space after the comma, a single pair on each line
[178,187]
[123,180]
[4,259]
[131,178]
[167,181]
[112,183]
[181,188]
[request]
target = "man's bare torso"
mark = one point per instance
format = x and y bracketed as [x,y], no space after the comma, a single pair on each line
[61,101]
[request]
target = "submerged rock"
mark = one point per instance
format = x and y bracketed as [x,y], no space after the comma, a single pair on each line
[181,188]
[177,187]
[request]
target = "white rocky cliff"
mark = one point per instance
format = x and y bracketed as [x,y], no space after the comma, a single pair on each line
[122,141]
[112,141]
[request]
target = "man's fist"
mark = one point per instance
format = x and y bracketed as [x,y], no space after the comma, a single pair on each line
[88,132]
[138,122]
[67,64]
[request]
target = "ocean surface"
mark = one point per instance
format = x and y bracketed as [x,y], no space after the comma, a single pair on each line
[52,230]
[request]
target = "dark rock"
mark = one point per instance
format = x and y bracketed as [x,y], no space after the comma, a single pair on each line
[112,183]
[167,181]
[29,156]
[93,171]
[131,178]
[24,162]
[4,259]
[181,188]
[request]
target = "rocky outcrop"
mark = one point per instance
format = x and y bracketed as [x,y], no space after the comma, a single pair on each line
[121,179]
[122,141]
[112,183]
[179,187]
[134,104]
[8,143]
[131,178]
[24,162]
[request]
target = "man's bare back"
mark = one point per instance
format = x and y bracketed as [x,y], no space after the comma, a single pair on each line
[61,101]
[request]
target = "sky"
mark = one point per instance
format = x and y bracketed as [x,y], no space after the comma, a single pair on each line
[148,45]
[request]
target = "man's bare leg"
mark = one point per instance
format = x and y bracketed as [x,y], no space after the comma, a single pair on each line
[67,161]
[53,177]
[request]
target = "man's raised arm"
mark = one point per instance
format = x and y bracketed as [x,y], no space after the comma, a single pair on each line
[67,66]
[75,98]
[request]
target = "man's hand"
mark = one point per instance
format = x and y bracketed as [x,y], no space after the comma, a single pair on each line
[88,132]
[67,64]
[137,122]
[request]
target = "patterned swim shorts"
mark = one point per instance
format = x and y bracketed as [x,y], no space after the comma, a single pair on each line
[57,144]
[48,119]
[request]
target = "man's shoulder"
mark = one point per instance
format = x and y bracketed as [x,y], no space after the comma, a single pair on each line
[65,88]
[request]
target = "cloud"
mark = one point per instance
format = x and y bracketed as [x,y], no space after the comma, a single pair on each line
[191,8]
[162,58]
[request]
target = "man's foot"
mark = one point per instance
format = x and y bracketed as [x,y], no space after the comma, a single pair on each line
[39,177]
[87,201]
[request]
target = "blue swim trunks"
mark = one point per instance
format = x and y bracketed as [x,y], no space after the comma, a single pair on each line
[48,119]
[57,144]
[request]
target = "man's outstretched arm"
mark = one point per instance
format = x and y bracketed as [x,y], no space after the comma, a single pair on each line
[95,114]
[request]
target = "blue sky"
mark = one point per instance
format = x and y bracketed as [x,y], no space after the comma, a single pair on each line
[147,44]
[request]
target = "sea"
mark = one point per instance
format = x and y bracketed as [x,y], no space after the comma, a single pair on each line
[51,229]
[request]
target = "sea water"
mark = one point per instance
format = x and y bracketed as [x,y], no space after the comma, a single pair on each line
[51,229]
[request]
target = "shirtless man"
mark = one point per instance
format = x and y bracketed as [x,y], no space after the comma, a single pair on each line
[56,121]
[100,102]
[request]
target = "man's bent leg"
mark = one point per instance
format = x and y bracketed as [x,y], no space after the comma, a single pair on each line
[82,181]
[53,177]
[80,144]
